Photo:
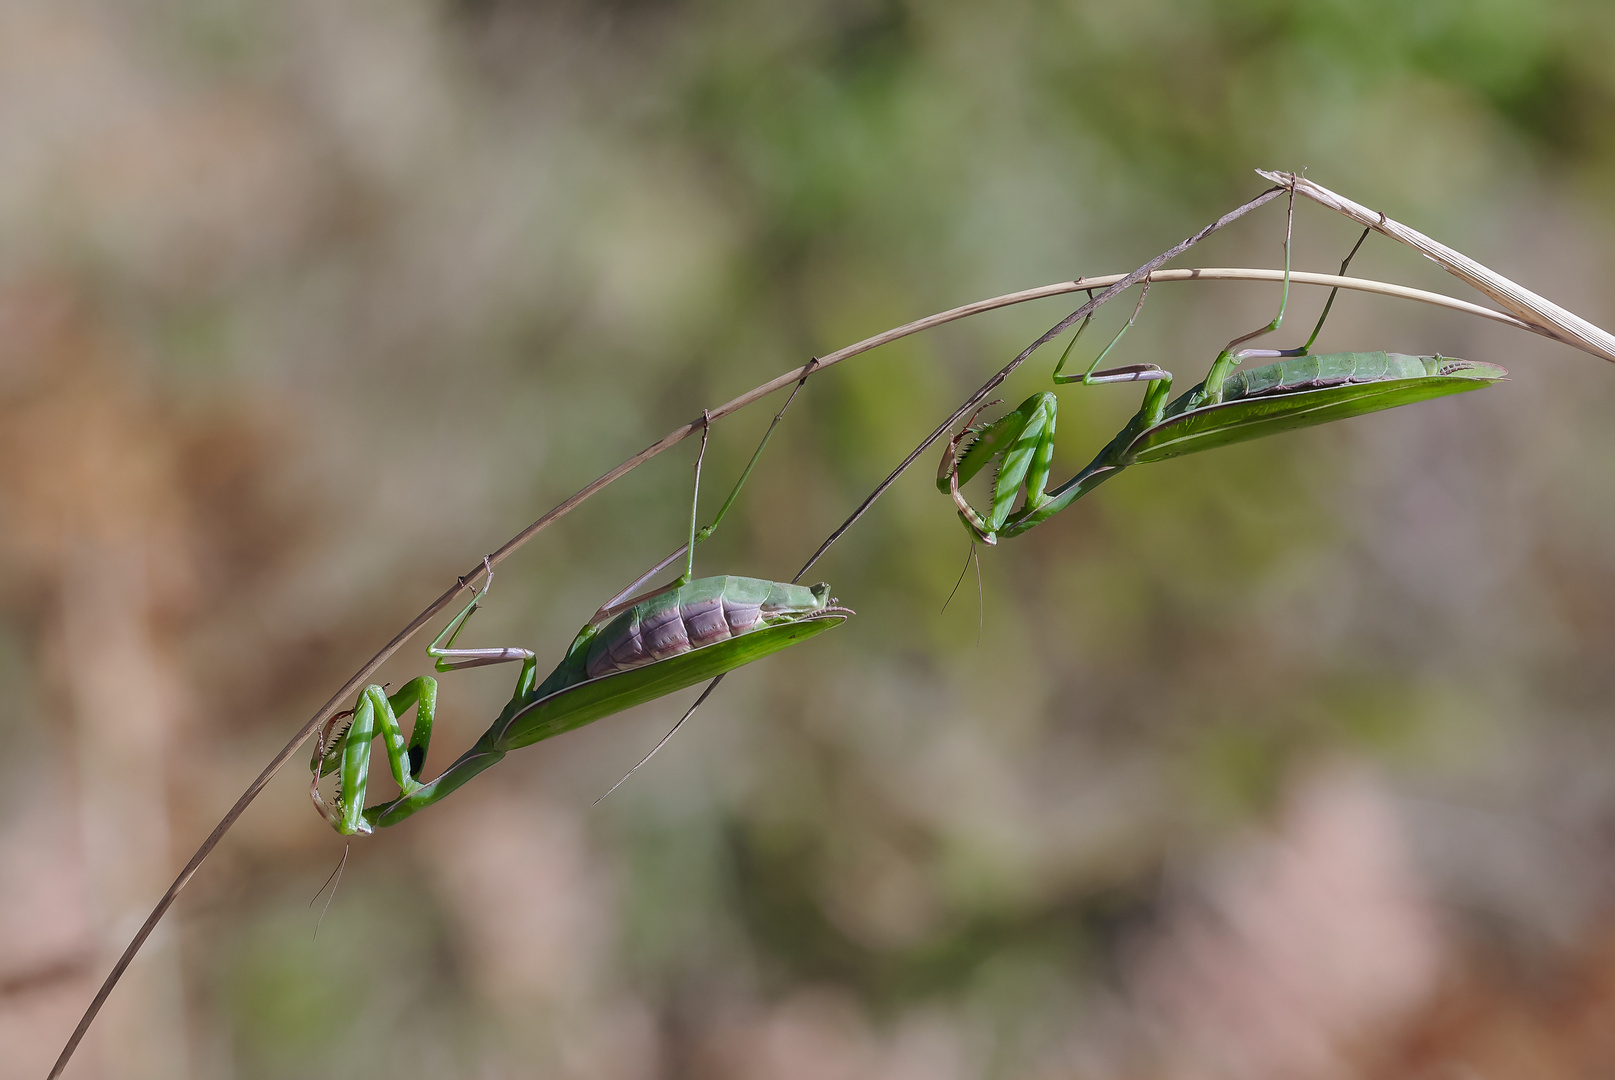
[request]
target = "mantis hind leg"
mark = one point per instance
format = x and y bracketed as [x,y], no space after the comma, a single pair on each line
[698,535]
[1232,356]
[630,596]
[1210,392]
[1228,358]
[1330,303]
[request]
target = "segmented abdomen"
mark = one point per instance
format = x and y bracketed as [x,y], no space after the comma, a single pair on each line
[701,613]
[1333,369]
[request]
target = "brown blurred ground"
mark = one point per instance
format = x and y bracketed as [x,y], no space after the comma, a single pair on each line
[1291,762]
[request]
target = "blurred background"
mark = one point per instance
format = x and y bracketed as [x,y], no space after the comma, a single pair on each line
[1292,760]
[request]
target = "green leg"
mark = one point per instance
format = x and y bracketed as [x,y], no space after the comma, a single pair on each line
[485,754]
[695,499]
[416,796]
[628,598]
[472,762]
[1151,410]
[409,758]
[1228,358]
[1062,497]
[1025,438]
[1104,466]
[631,595]
[377,714]
[447,658]
[1128,373]
[1316,330]
[697,536]
[1210,392]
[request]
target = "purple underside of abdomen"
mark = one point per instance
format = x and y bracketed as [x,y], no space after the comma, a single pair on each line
[645,636]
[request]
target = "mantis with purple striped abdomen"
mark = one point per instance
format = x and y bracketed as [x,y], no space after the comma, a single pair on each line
[632,651]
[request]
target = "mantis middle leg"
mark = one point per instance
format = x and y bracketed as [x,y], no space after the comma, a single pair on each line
[1210,391]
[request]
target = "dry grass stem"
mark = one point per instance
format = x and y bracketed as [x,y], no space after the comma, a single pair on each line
[1553,320]
[1328,281]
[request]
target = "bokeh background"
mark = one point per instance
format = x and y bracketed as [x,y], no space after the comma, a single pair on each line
[1292,760]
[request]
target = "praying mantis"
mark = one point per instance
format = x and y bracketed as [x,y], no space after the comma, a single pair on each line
[630,652]
[1228,406]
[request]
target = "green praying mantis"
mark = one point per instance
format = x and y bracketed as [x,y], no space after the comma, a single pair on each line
[630,652]
[1228,406]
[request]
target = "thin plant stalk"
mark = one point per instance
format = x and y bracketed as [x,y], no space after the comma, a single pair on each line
[1550,319]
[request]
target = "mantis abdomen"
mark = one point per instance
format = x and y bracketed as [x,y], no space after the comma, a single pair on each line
[1302,392]
[1337,369]
[702,612]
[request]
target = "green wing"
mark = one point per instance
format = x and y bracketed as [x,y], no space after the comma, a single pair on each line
[585,702]
[1284,410]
